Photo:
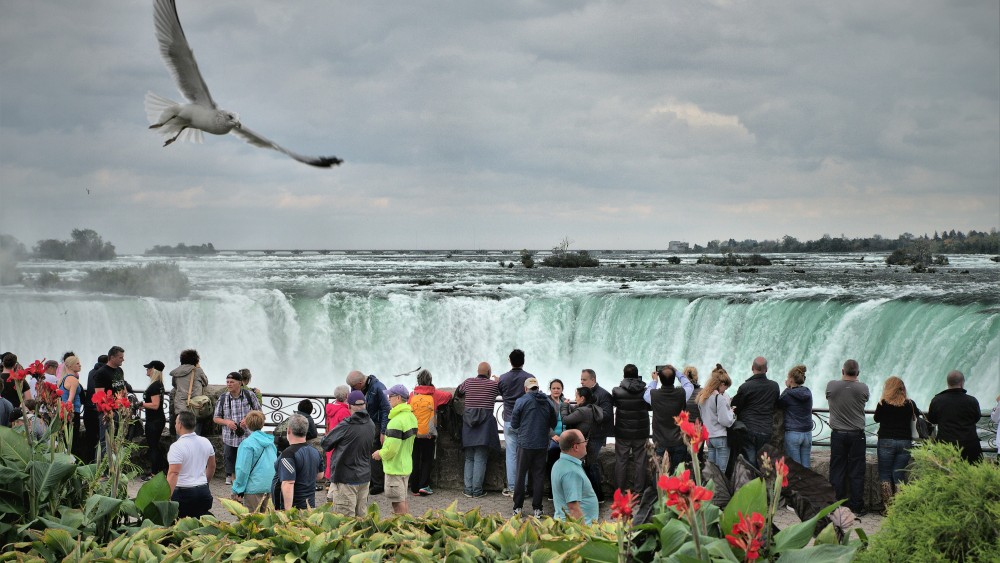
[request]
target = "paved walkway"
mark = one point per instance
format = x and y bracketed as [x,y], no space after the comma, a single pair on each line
[492,503]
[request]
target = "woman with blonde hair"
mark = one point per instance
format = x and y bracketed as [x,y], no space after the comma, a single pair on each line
[717,415]
[69,383]
[894,413]
[156,420]
[797,402]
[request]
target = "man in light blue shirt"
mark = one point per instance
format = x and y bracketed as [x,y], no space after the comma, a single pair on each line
[572,493]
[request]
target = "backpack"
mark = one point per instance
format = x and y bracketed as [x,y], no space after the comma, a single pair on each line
[426,414]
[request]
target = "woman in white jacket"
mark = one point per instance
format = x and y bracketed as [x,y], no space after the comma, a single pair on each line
[717,415]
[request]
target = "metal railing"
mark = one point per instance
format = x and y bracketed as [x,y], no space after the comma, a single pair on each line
[277,408]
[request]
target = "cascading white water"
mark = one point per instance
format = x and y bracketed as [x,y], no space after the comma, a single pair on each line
[307,344]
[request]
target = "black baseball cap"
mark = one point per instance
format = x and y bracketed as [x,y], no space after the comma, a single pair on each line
[155,364]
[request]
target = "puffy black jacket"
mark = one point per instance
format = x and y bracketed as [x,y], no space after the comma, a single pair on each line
[755,402]
[632,414]
[667,402]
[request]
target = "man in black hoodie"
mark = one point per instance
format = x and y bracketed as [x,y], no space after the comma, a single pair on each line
[631,428]
[91,420]
[601,432]
[352,442]
[956,414]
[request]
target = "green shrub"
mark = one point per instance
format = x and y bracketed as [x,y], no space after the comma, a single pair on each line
[950,511]
[581,259]
[161,280]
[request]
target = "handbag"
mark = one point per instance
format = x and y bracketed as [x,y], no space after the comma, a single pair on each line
[199,405]
[920,429]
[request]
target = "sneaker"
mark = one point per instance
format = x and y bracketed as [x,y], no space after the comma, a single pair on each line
[425,491]
[145,477]
[790,508]
[229,479]
[517,512]
[537,513]
[468,495]
[480,495]
[507,492]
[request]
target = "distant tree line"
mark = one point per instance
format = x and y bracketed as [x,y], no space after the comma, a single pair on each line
[182,249]
[84,244]
[944,242]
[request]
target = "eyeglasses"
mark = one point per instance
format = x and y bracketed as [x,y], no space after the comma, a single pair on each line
[583,442]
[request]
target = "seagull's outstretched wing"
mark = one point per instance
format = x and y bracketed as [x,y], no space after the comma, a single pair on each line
[178,56]
[258,141]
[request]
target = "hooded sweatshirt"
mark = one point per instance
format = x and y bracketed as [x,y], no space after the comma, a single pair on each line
[397,450]
[255,464]
[181,381]
[532,418]
[798,403]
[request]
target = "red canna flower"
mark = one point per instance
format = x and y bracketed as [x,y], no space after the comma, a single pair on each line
[623,505]
[746,535]
[124,403]
[694,432]
[682,492]
[17,375]
[781,471]
[103,401]
[66,412]
[36,368]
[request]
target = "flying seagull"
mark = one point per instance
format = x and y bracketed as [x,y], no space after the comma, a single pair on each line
[187,121]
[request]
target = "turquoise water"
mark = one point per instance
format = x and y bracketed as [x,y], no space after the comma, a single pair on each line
[300,323]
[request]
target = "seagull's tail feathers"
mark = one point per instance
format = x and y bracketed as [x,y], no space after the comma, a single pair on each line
[160,110]
[156,105]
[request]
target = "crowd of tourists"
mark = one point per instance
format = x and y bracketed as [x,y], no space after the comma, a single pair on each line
[381,441]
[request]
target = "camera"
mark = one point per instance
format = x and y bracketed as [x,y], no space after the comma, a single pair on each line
[239,431]
[660,368]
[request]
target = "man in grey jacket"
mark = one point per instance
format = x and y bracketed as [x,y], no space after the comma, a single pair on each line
[352,443]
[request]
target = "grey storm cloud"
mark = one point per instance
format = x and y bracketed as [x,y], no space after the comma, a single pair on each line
[620,124]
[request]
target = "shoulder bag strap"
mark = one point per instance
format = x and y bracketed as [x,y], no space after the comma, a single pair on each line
[191,384]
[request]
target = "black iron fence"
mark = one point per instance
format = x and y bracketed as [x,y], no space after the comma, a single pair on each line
[277,408]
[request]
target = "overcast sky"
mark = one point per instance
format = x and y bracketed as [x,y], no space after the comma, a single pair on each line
[506,124]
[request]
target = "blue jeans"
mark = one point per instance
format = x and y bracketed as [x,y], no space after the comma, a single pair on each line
[475,469]
[510,447]
[847,467]
[893,457]
[718,452]
[753,445]
[798,446]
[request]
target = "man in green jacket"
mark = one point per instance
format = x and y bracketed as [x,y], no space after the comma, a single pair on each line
[397,450]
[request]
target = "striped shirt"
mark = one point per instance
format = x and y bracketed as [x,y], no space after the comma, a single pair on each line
[480,392]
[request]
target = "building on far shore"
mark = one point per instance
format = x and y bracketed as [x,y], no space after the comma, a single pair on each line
[678,246]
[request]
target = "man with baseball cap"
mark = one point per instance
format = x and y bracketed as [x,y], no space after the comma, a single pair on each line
[532,418]
[352,442]
[397,450]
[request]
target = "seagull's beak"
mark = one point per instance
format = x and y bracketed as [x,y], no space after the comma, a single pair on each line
[239,125]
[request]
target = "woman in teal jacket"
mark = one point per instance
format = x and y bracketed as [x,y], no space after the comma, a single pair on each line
[255,459]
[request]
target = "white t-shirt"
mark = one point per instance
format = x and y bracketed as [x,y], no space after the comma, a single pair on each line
[191,452]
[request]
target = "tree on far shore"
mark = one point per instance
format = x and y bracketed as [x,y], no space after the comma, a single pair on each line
[84,245]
